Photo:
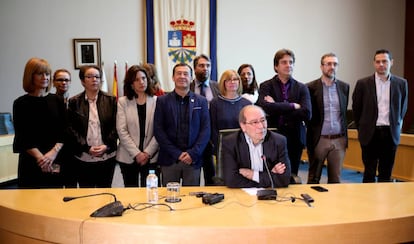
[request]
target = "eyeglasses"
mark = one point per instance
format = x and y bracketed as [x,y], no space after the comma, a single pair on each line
[334,64]
[62,80]
[262,121]
[93,76]
[234,80]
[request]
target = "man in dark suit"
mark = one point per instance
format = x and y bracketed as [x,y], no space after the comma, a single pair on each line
[379,106]
[287,103]
[203,86]
[182,129]
[327,136]
[254,156]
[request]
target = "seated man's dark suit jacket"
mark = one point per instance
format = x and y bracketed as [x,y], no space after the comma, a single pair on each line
[165,128]
[235,155]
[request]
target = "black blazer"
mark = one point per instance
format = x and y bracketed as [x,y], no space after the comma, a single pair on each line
[78,116]
[365,108]
[293,118]
[236,155]
[315,124]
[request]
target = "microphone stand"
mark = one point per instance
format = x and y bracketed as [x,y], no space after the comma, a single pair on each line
[267,194]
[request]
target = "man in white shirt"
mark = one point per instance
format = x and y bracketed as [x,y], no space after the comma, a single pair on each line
[379,106]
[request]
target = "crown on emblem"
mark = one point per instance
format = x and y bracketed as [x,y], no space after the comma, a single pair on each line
[182,24]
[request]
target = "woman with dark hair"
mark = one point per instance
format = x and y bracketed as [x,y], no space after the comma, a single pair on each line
[250,87]
[137,150]
[153,79]
[39,123]
[92,130]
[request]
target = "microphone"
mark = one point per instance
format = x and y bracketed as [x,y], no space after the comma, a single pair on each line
[112,209]
[67,199]
[267,194]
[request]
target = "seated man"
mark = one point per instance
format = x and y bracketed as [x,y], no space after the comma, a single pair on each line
[245,152]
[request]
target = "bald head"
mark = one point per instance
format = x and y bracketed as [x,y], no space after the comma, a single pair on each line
[252,120]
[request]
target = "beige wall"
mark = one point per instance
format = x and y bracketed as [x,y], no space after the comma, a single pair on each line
[248,31]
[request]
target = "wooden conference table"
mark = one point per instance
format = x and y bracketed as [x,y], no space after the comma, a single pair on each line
[348,213]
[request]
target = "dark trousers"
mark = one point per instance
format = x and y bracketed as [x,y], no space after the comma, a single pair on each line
[208,165]
[135,175]
[379,153]
[96,174]
[294,146]
[180,171]
[30,175]
[69,170]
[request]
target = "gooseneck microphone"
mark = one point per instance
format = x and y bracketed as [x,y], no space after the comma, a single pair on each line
[112,209]
[268,171]
[267,194]
[67,199]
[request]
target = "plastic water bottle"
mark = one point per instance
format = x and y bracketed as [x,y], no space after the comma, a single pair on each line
[152,187]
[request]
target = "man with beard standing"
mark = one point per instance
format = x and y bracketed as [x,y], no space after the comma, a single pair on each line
[327,130]
[203,86]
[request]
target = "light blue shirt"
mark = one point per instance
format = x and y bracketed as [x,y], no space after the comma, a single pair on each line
[256,153]
[332,111]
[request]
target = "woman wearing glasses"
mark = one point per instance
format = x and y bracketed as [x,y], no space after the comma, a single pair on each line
[61,82]
[225,108]
[39,122]
[92,130]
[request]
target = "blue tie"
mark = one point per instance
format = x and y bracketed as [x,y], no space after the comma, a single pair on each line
[202,89]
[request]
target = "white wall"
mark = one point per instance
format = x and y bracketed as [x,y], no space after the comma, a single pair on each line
[252,31]
[248,32]
[45,28]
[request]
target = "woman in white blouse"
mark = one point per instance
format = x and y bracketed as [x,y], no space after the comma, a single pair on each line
[250,87]
[138,148]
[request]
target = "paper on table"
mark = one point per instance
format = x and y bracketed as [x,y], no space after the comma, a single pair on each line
[251,191]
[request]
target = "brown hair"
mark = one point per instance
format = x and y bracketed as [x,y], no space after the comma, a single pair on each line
[33,66]
[226,75]
[130,78]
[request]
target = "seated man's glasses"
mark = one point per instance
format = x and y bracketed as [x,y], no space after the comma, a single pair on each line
[262,121]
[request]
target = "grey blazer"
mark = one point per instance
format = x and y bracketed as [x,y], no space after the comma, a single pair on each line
[365,108]
[127,126]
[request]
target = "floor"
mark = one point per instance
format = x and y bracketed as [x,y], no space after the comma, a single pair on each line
[347,176]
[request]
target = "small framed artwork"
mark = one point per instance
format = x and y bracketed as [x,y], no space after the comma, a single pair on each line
[87,51]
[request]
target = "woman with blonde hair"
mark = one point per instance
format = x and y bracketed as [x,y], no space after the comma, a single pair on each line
[225,108]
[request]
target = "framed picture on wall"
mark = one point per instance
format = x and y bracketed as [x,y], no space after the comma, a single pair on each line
[87,51]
